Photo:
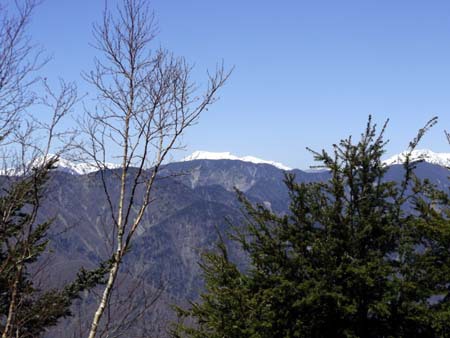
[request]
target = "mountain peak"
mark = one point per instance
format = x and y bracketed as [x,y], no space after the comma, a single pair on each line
[207,155]
[63,165]
[442,159]
[81,168]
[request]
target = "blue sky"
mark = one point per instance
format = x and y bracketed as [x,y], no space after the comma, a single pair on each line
[307,73]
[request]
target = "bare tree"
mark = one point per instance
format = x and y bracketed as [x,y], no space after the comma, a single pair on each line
[29,147]
[22,238]
[18,63]
[146,100]
[19,60]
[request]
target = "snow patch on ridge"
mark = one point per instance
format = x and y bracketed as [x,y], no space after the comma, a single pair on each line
[63,165]
[207,155]
[442,159]
[81,168]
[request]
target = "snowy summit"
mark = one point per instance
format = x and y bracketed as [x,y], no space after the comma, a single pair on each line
[442,159]
[80,168]
[206,155]
[63,165]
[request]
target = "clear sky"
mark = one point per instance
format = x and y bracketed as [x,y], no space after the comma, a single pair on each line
[307,73]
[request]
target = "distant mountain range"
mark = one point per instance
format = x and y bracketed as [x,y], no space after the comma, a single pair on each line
[83,168]
[194,199]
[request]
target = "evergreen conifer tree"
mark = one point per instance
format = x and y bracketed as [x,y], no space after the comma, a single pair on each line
[356,256]
[25,310]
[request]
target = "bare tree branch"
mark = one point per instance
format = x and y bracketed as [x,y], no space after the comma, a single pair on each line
[19,61]
[145,101]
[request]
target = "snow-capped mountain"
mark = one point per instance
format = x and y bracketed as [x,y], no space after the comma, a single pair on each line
[442,159]
[80,168]
[83,168]
[206,155]
[64,165]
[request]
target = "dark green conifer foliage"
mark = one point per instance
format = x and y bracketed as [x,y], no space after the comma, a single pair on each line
[357,256]
[26,311]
